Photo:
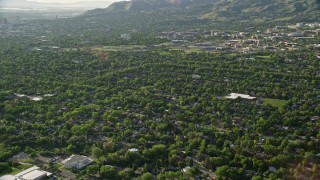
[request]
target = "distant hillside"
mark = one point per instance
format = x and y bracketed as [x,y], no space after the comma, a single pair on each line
[150,5]
[258,10]
[147,5]
[264,10]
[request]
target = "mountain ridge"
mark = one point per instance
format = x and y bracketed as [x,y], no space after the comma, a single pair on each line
[259,10]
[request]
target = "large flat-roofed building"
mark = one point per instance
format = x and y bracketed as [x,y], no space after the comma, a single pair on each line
[237,95]
[8,177]
[33,173]
[77,162]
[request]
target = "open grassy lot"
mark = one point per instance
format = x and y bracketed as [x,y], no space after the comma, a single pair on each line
[274,102]
[120,48]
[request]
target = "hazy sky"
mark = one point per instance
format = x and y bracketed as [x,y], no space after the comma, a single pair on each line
[70,1]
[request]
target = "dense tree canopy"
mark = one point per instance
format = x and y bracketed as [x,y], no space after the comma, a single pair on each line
[156,112]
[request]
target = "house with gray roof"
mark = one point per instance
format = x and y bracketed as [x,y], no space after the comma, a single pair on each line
[77,162]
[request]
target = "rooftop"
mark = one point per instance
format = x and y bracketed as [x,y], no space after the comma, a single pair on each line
[75,158]
[33,168]
[8,177]
[186,169]
[236,95]
[34,175]
[133,150]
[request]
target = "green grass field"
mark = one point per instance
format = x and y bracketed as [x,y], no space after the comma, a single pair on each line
[274,102]
[120,48]
[110,48]
[15,171]
[263,57]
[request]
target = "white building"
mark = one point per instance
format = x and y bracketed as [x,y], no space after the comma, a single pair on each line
[295,34]
[77,162]
[236,95]
[133,150]
[126,36]
[33,173]
[186,169]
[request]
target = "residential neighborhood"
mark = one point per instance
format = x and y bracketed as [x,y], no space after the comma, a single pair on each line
[279,38]
[160,89]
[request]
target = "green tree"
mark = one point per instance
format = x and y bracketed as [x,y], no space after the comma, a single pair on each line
[108,172]
[147,176]
[4,168]
[96,152]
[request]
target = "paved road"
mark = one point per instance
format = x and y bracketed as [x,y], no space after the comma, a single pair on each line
[204,170]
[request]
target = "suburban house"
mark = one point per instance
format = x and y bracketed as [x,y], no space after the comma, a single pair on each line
[77,162]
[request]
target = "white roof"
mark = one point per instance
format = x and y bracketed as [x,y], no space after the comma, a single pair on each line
[8,177]
[186,169]
[34,175]
[133,150]
[20,95]
[35,98]
[236,95]
[195,76]
[76,158]
[27,171]
[48,173]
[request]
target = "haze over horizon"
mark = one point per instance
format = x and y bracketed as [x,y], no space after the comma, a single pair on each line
[71,1]
[54,4]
